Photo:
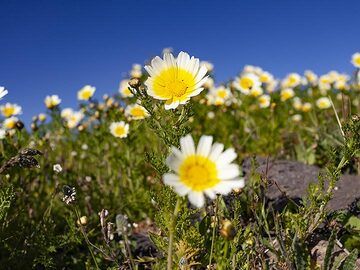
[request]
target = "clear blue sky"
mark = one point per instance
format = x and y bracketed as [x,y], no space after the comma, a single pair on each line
[55,47]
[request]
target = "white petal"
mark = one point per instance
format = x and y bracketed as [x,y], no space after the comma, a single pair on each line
[172,105]
[201,74]
[226,157]
[210,193]
[187,145]
[183,60]
[204,146]
[169,60]
[158,64]
[216,150]
[176,152]
[229,172]
[196,198]
[195,92]
[181,189]
[225,187]
[170,179]
[173,163]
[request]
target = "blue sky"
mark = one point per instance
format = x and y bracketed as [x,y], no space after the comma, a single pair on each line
[56,47]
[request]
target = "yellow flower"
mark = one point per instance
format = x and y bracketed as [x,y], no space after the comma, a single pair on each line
[219,96]
[204,170]
[264,101]
[86,92]
[256,91]
[286,94]
[119,129]
[124,89]
[297,104]
[266,77]
[323,103]
[136,112]
[74,118]
[42,117]
[10,123]
[9,109]
[66,113]
[246,82]
[296,117]
[52,101]
[355,60]
[311,77]
[175,80]
[136,71]
[292,80]
[306,107]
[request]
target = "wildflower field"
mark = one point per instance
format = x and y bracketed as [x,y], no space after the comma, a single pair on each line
[176,171]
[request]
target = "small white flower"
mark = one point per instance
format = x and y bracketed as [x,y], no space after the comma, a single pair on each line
[86,92]
[2,133]
[323,103]
[246,82]
[57,168]
[355,60]
[119,129]
[52,101]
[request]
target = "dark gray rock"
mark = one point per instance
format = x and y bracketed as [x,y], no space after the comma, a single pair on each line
[293,178]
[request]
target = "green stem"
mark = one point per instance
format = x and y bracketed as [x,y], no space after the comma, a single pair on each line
[214,229]
[86,239]
[171,234]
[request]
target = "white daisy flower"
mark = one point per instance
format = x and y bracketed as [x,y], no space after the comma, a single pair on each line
[86,92]
[264,101]
[286,94]
[291,81]
[73,119]
[246,82]
[175,80]
[323,103]
[355,60]
[52,101]
[119,129]
[10,123]
[205,170]
[136,112]
[9,109]
[124,89]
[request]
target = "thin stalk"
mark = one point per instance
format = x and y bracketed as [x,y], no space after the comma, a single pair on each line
[86,239]
[171,234]
[337,117]
[214,230]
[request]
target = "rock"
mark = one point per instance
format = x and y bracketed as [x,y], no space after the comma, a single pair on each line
[293,178]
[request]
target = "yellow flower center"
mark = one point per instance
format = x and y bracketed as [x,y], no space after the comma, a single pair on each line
[126,91]
[10,124]
[137,112]
[8,111]
[221,94]
[264,78]
[292,80]
[86,94]
[120,131]
[246,83]
[198,173]
[357,60]
[174,82]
